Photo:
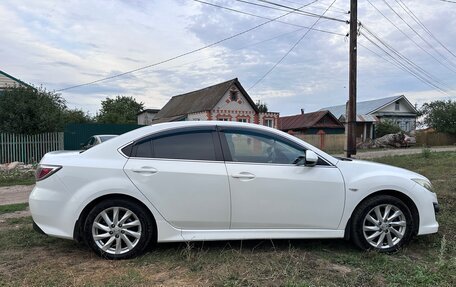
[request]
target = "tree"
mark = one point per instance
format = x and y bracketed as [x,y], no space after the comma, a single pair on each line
[30,110]
[262,107]
[76,116]
[121,110]
[440,115]
[386,127]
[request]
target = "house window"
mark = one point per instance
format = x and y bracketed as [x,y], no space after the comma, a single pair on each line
[396,106]
[268,123]
[224,119]
[243,120]
[233,95]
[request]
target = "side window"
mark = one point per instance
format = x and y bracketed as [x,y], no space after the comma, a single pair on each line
[191,145]
[250,147]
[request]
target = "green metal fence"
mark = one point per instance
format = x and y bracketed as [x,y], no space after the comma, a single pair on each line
[28,148]
[76,134]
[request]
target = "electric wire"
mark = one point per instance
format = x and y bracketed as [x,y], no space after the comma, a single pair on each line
[297,11]
[416,32]
[404,67]
[266,18]
[403,61]
[289,51]
[411,39]
[421,24]
[180,55]
[400,55]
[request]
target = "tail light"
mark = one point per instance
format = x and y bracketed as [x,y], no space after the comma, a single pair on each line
[44,171]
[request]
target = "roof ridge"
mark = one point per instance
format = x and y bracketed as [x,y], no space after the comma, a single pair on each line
[222,83]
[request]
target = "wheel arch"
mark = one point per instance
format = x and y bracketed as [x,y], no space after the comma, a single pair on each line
[79,224]
[400,195]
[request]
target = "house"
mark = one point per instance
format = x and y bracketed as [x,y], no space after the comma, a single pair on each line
[8,81]
[227,101]
[397,109]
[311,123]
[146,116]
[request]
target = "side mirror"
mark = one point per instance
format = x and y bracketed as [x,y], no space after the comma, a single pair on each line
[311,158]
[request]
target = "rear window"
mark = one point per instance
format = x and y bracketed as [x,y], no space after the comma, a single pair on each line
[195,145]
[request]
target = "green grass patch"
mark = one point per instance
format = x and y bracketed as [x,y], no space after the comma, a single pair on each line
[15,177]
[13,207]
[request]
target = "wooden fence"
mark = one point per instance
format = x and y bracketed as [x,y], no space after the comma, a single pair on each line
[326,142]
[434,139]
[28,148]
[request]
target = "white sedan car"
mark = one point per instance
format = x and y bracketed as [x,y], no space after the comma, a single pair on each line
[196,181]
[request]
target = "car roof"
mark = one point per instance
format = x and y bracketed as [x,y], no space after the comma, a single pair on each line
[136,134]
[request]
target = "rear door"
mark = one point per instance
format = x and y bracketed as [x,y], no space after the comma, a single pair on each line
[183,174]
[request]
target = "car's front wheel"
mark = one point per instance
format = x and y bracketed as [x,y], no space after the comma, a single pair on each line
[118,229]
[383,223]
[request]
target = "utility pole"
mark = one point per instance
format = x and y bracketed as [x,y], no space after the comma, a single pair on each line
[351,107]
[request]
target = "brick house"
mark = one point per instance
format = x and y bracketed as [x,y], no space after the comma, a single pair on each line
[227,101]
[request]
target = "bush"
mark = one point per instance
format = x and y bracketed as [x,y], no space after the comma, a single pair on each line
[386,127]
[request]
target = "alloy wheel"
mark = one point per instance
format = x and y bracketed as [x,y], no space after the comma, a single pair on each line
[384,226]
[116,230]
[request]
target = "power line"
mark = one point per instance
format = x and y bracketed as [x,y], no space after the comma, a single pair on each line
[448,1]
[410,38]
[419,35]
[266,18]
[418,21]
[401,65]
[289,51]
[402,60]
[181,55]
[293,10]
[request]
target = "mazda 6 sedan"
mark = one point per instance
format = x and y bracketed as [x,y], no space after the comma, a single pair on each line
[197,181]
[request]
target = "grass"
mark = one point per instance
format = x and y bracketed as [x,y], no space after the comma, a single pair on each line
[28,258]
[15,177]
[12,208]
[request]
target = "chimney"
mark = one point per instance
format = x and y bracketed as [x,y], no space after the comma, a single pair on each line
[302,111]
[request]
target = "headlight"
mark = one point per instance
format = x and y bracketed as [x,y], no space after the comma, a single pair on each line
[424,183]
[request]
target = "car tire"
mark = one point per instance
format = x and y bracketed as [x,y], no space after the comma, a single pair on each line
[382,223]
[124,236]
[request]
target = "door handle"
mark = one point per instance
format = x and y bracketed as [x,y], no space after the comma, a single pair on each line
[243,175]
[145,169]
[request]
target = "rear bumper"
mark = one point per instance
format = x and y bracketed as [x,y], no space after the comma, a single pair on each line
[38,229]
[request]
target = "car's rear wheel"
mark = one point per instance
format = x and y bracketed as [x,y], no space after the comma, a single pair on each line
[382,223]
[118,229]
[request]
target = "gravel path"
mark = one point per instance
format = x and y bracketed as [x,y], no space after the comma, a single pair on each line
[15,194]
[402,151]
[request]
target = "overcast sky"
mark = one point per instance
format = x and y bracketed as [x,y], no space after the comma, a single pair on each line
[59,44]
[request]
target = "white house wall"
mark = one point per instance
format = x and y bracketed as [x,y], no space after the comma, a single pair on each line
[7,82]
[233,110]
[404,107]
[201,116]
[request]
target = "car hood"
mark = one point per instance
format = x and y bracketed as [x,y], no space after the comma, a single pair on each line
[356,168]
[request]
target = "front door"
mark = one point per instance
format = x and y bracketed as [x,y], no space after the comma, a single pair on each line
[269,191]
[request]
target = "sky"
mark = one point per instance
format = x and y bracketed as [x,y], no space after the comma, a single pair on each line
[60,44]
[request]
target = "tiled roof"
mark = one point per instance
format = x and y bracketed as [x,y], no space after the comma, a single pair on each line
[201,100]
[308,120]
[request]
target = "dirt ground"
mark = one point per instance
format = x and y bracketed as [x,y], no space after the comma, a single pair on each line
[15,194]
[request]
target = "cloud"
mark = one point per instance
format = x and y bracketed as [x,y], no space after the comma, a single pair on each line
[61,44]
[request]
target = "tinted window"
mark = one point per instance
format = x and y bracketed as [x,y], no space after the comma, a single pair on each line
[249,147]
[193,145]
[143,149]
